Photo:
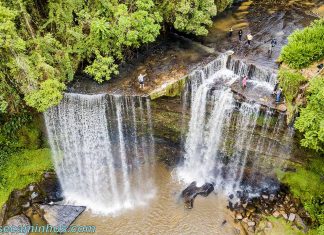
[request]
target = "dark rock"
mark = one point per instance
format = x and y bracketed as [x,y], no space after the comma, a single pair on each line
[60,215]
[224,222]
[47,190]
[190,193]
[51,187]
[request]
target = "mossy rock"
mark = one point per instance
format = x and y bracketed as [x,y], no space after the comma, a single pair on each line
[170,90]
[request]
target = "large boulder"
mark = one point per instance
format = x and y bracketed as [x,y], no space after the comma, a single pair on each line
[192,191]
[60,215]
[18,221]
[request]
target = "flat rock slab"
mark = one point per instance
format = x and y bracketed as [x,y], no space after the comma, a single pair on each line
[61,215]
[256,93]
[18,221]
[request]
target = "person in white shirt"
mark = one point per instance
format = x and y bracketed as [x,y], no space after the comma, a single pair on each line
[141,80]
[249,39]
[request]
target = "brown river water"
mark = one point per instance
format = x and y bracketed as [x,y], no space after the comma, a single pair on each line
[165,213]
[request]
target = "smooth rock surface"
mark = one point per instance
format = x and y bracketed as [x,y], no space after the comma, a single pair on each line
[18,221]
[292,217]
[60,215]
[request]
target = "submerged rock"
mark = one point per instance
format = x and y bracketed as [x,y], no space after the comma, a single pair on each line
[191,192]
[60,215]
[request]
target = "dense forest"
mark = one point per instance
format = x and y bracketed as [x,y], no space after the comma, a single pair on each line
[43,43]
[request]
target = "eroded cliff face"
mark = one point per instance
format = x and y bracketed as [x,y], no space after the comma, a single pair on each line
[273,144]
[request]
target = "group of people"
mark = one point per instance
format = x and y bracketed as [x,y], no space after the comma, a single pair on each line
[273,43]
[277,91]
[249,36]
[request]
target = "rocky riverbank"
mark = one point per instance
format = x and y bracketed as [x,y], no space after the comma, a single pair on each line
[39,203]
[253,213]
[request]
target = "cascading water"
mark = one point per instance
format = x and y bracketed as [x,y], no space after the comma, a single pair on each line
[101,150]
[221,132]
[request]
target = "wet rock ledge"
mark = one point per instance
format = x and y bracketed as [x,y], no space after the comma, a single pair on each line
[39,203]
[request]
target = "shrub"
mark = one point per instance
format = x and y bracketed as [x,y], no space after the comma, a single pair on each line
[311,119]
[304,46]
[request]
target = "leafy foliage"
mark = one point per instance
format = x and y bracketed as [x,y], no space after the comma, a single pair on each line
[193,16]
[43,43]
[307,185]
[305,46]
[49,94]
[311,119]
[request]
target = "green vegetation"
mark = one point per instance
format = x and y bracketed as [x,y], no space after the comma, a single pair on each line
[280,227]
[171,90]
[311,119]
[304,46]
[21,169]
[307,184]
[290,81]
[22,158]
[44,43]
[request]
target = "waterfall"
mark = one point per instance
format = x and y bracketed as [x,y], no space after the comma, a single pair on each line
[223,134]
[102,151]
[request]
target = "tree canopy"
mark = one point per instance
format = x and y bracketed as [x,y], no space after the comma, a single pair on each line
[43,43]
[304,48]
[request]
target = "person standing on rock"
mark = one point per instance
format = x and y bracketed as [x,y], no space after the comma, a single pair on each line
[240,34]
[249,39]
[141,80]
[244,81]
[230,32]
[278,95]
[273,43]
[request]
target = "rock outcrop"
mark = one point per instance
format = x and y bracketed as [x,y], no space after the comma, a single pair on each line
[47,190]
[60,215]
[192,191]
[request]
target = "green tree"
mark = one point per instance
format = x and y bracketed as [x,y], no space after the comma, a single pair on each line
[311,119]
[45,42]
[193,16]
[304,46]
